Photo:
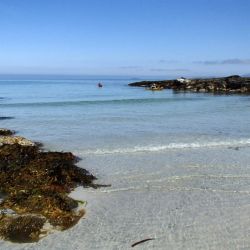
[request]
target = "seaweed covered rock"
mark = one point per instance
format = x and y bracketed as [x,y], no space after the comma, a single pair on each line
[4,131]
[37,183]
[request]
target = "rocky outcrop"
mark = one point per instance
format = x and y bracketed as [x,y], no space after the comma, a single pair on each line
[230,84]
[15,140]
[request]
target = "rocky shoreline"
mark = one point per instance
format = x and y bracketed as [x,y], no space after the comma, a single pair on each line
[34,186]
[228,85]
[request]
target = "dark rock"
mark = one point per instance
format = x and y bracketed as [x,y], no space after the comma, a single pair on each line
[6,117]
[6,132]
[231,84]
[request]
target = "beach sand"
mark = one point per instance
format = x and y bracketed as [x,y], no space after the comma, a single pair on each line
[189,199]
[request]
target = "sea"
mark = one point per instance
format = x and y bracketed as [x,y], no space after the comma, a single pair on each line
[178,164]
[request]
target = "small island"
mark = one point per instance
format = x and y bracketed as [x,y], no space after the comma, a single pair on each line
[228,85]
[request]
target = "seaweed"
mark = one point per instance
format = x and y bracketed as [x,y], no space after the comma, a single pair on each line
[38,182]
[25,228]
[4,131]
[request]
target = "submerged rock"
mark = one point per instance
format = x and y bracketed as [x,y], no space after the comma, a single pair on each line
[7,211]
[37,182]
[6,117]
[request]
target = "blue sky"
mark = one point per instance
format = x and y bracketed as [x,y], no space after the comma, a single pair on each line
[125,37]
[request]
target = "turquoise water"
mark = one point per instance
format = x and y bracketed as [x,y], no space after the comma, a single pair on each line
[121,118]
[178,163]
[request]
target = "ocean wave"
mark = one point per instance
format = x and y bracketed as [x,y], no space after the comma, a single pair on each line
[99,102]
[170,146]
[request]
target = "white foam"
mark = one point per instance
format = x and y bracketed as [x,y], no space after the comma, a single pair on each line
[170,146]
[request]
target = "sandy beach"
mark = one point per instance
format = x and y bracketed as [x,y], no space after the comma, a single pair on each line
[182,204]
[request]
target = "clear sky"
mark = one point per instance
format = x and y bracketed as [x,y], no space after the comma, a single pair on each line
[125,37]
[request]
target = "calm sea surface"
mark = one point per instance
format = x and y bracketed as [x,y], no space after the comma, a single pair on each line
[119,119]
[178,163]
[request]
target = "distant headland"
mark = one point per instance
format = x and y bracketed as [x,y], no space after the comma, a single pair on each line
[230,84]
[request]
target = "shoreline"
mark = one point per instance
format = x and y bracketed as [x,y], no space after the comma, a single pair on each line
[183,197]
[221,85]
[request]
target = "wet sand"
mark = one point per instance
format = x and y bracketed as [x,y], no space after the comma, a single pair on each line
[189,199]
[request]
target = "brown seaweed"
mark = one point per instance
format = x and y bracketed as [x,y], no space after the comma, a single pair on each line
[23,228]
[4,131]
[36,185]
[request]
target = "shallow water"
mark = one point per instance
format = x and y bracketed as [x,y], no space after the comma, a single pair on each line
[178,163]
